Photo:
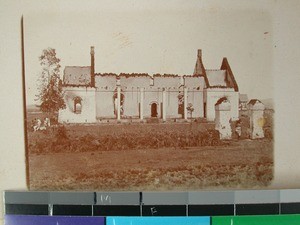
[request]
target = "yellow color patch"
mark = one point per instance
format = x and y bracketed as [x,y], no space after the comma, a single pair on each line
[261,122]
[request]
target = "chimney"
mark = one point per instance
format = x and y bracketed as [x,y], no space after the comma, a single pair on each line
[199,68]
[92,66]
[200,53]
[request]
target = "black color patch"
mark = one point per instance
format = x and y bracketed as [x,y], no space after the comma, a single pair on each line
[72,210]
[26,209]
[290,208]
[211,210]
[117,210]
[164,210]
[257,209]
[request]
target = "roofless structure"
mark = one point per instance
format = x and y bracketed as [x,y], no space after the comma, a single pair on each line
[93,97]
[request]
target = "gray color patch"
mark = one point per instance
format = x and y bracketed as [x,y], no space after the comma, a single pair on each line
[72,198]
[165,198]
[118,198]
[290,195]
[211,197]
[15,197]
[256,196]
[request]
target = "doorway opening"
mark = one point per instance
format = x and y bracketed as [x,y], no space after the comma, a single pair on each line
[154,110]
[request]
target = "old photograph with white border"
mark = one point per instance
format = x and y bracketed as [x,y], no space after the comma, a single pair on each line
[149,100]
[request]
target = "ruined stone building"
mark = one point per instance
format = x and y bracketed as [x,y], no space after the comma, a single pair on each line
[97,97]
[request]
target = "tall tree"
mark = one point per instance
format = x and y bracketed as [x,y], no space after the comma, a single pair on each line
[49,83]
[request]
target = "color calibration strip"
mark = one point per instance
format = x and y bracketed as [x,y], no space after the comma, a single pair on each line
[203,203]
[205,220]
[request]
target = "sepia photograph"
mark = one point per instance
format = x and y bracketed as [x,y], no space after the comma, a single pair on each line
[156,99]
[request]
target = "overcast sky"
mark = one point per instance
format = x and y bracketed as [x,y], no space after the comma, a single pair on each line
[156,40]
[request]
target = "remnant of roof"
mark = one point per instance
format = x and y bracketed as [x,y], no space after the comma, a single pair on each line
[216,77]
[255,104]
[77,75]
[106,74]
[254,101]
[221,100]
[165,75]
[231,82]
[193,76]
[243,97]
[128,75]
[199,68]
[220,78]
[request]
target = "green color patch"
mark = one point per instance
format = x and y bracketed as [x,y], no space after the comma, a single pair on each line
[257,220]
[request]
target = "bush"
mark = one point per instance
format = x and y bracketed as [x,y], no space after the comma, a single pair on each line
[61,133]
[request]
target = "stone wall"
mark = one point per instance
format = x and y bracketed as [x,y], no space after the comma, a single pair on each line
[194,82]
[153,88]
[257,119]
[108,82]
[153,93]
[135,82]
[149,98]
[195,97]
[167,81]
[172,103]
[212,95]
[105,104]
[223,117]
[131,102]
[88,110]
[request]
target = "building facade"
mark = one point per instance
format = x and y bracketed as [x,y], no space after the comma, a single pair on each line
[94,97]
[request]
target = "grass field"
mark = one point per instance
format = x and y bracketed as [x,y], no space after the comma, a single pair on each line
[250,166]
[74,158]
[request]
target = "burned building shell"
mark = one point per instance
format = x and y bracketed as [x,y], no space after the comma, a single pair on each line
[93,97]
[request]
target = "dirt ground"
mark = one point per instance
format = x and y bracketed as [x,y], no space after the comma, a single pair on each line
[82,161]
[237,164]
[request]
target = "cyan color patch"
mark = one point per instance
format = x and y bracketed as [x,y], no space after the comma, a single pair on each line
[158,220]
[53,220]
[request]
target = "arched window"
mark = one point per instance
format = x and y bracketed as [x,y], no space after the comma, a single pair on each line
[77,105]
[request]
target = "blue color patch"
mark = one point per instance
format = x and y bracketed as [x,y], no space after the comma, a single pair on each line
[158,220]
[53,220]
